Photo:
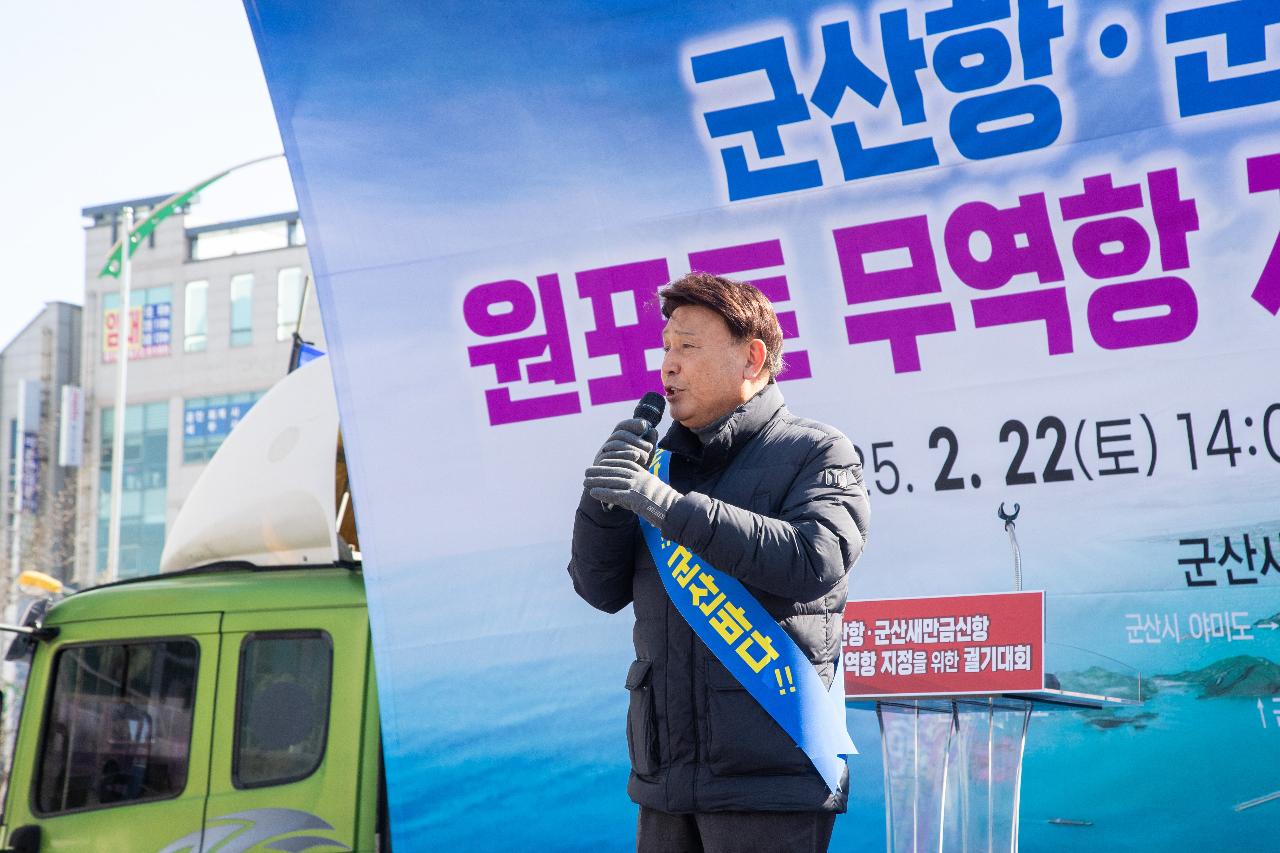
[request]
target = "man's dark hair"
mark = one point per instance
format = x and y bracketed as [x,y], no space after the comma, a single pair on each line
[746,311]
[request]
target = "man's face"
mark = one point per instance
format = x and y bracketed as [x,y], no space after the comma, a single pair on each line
[704,369]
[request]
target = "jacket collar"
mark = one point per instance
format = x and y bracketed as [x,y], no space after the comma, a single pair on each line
[742,425]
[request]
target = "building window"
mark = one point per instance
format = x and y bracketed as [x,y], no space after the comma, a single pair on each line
[288,301]
[142,498]
[196,324]
[150,323]
[242,310]
[119,725]
[247,236]
[206,421]
[282,709]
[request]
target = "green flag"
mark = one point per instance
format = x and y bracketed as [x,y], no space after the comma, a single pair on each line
[144,228]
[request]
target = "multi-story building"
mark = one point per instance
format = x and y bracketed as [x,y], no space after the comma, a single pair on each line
[38,504]
[213,311]
[38,455]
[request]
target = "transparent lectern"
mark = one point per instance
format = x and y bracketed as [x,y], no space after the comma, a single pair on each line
[953,765]
[953,754]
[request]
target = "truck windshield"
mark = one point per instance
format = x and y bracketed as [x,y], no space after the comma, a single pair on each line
[118,727]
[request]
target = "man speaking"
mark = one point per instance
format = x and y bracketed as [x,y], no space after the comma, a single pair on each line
[733,538]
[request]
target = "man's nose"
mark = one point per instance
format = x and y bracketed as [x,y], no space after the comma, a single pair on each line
[669,363]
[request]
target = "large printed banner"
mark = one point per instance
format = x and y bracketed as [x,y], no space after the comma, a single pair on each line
[1024,251]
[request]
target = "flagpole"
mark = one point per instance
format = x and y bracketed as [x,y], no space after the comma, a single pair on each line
[123,327]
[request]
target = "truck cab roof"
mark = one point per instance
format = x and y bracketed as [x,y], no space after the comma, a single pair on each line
[211,589]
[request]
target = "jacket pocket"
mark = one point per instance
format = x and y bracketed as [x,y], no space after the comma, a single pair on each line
[744,739]
[762,502]
[642,730]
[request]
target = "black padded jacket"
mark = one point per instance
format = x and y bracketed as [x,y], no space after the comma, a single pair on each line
[779,503]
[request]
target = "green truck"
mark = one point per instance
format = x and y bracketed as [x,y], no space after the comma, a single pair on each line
[229,705]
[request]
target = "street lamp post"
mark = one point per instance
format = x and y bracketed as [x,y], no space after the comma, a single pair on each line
[118,264]
[123,327]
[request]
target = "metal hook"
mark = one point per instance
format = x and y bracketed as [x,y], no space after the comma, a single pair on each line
[1013,541]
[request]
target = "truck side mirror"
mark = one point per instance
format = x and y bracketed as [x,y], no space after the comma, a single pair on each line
[24,839]
[24,644]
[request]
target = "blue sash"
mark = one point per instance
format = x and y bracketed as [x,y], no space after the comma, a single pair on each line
[754,648]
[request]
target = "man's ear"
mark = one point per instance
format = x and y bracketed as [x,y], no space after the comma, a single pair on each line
[757,353]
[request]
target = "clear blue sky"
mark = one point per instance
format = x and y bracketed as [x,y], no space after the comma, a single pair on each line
[77,135]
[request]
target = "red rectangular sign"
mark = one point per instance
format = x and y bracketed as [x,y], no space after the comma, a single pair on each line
[944,645]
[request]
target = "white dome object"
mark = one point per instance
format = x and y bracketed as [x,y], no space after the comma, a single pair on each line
[267,496]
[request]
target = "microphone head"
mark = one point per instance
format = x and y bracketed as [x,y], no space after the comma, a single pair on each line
[650,408]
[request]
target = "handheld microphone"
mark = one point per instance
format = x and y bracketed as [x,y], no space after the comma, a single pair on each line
[650,410]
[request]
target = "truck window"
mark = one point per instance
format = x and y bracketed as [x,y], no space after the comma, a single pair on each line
[282,707]
[118,726]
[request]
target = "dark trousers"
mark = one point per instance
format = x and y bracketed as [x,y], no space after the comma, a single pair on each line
[734,832]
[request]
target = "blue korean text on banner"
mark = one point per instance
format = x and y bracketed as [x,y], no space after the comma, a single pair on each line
[754,648]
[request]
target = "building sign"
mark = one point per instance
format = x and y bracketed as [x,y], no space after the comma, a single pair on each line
[150,331]
[216,420]
[71,427]
[944,645]
[30,407]
[30,472]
